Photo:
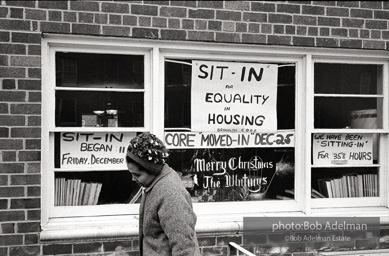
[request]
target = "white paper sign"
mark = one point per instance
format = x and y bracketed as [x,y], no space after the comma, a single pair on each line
[89,150]
[175,140]
[233,97]
[338,149]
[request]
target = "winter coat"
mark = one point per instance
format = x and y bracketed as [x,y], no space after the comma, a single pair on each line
[166,218]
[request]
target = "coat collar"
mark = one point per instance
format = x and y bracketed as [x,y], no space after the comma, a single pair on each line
[165,170]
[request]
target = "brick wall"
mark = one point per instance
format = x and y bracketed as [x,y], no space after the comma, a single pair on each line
[349,24]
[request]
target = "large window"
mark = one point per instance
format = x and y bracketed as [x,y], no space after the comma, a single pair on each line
[250,131]
[232,163]
[95,101]
[348,124]
[95,91]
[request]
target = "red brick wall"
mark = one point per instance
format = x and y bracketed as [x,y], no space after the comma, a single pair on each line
[348,24]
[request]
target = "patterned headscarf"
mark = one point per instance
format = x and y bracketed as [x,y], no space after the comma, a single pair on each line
[148,151]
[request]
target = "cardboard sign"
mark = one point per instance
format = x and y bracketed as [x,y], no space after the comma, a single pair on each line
[80,151]
[339,149]
[229,97]
[176,140]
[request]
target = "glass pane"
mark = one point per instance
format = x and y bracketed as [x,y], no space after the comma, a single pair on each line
[99,70]
[345,182]
[348,112]
[333,78]
[178,95]
[94,188]
[99,109]
[286,97]
[236,174]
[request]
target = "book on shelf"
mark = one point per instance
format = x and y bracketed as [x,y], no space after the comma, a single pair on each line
[92,194]
[76,191]
[349,185]
[374,180]
[355,185]
[68,191]
[71,192]
[345,189]
[97,194]
[325,187]
[316,194]
[360,185]
[87,193]
[335,187]
[62,192]
[365,193]
[80,195]
[57,192]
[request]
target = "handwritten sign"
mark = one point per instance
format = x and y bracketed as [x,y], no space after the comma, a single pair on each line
[176,140]
[80,151]
[338,149]
[229,96]
[232,172]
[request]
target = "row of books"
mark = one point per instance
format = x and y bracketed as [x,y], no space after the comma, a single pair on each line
[73,192]
[350,185]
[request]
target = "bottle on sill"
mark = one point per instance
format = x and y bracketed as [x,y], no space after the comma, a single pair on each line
[113,122]
[112,114]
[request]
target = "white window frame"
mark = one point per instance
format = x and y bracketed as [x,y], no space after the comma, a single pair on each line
[119,220]
[382,165]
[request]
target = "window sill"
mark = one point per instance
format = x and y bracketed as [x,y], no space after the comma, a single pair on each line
[382,212]
[127,225]
[90,227]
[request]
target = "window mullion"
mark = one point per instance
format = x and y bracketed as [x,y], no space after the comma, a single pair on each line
[157,90]
[307,126]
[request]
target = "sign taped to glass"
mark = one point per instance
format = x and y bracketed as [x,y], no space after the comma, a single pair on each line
[174,140]
[337,149]
[94,150]
[234,96]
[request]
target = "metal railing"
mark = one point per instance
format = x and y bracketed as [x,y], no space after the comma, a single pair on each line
[241,249]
